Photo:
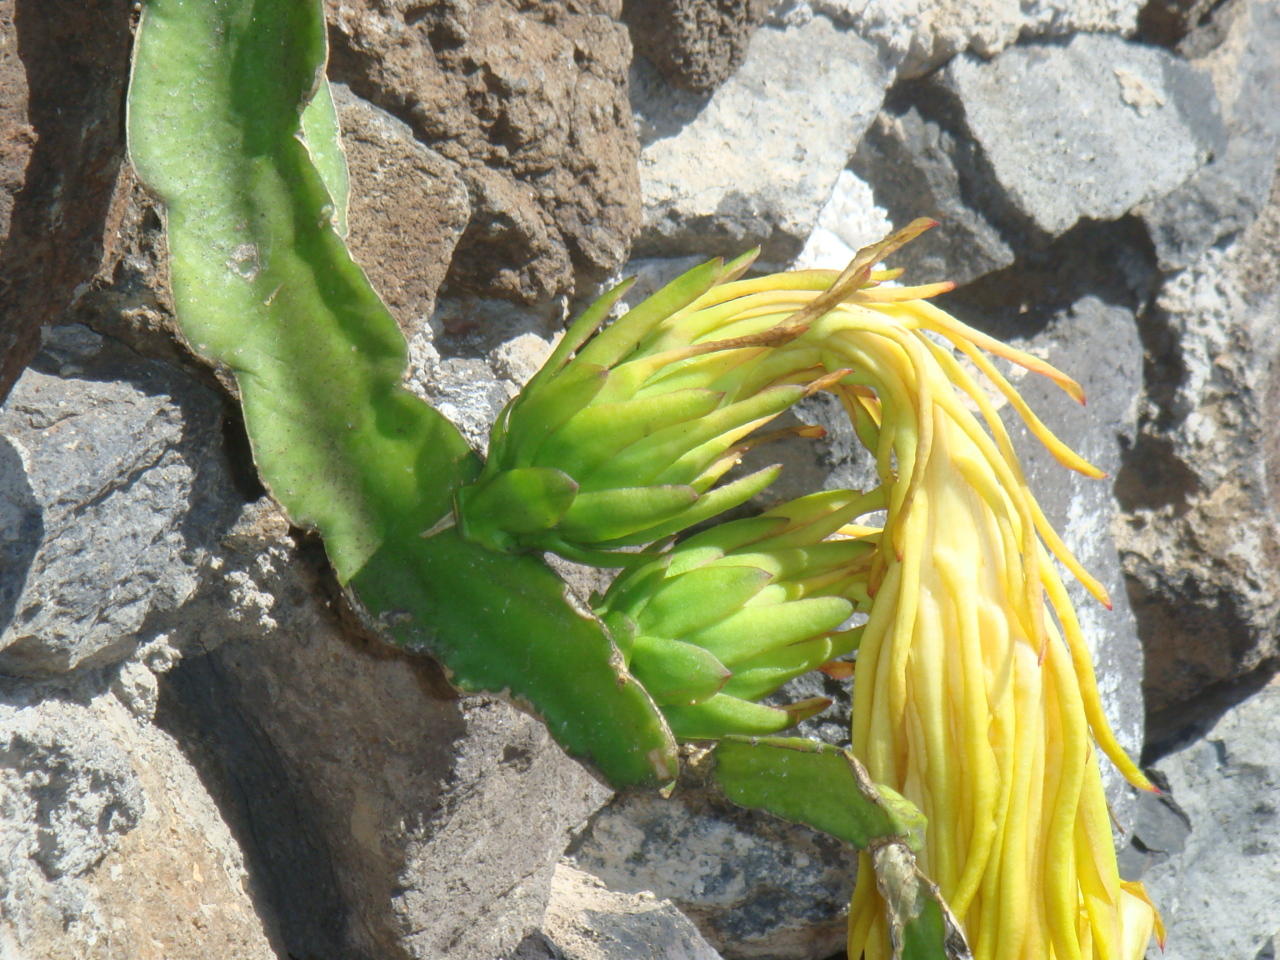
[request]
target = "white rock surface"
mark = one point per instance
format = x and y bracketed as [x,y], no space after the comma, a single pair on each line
[755,162]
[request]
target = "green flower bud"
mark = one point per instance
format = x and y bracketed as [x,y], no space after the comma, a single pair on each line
[623,437]
[731,614]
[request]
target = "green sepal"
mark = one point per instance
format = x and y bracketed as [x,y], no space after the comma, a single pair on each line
[616,341]
[679,606]
[723,715]
[600,515]
[759,676]
[761,627]
[675,672]
[715,542]
[663,457]
[579,332]
[601,431]
[708,505]
[534,416]
[521,500]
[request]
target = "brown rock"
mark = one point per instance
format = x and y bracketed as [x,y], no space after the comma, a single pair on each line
[531,102]
[408,208]
[695,44]
[63,69]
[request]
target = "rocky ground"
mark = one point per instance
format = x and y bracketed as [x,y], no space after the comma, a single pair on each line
[198,761]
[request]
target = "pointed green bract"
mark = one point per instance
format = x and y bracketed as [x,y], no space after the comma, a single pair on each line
[676,672]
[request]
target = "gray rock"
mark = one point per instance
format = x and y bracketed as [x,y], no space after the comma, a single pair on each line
[1060,128]
[1218,895]
[756,887]
[1199,539]
[780,129]
[1228,193]
[114,490]
[914,166]
[109,844]
[918,35]
[347,762]
[587,921]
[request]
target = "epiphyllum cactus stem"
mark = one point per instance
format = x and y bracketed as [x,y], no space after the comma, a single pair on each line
[974,693]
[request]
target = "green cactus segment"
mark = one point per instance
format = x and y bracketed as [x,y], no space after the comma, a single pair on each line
[826,788]
[264,284]
[501,623]
[818,784]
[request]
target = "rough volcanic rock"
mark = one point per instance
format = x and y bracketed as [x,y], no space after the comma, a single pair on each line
[114,490]
[530,102]
[1217,892]
[756,886]
[916,167]
[918,35]
[109,844]
[781,130]
[1200,541]
[587,921]
[408,209]
[1058,128]
[63,69]
[1228,193]
[426,827]
[694,44]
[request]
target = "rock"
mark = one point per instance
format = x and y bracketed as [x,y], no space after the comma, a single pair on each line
[919,35]
[1228,193]
[1199,540]
[63,70]
[916,167]
[694,44]
[338,760]
[781,129]
[530,103]
[111,846]
[1058,127]
[587,921]
[1218,894]
[409,207]
[849,220]
[114,490]
[755,886]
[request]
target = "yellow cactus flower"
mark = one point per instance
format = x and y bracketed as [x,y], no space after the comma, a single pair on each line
[974,692]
